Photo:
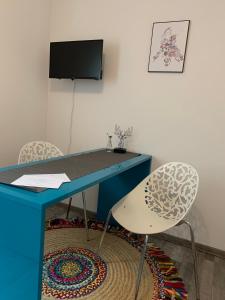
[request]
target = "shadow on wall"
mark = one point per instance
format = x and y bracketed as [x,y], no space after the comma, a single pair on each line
[197,222]
[111,60]
[110,73]
[60,85]
[82,86]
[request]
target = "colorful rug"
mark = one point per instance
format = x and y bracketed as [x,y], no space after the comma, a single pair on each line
[73,270]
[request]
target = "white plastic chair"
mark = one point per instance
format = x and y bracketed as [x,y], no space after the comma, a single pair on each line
[40,150]
[158,203]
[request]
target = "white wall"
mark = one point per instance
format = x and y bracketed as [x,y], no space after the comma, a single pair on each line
[24,31]
[176,117]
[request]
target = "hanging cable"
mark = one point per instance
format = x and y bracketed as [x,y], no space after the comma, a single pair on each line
[71,120]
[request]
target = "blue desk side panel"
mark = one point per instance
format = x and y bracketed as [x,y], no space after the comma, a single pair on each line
[21,250]
[115,188]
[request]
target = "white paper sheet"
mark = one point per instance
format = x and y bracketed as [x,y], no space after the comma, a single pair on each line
[52,181]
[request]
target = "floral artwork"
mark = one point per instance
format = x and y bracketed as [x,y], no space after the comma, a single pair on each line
[168,46]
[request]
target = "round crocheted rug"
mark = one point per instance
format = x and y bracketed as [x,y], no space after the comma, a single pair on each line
[73,270]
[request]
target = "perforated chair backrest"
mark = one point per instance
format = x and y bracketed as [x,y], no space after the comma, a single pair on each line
[160,201]
[38,150]
[171,190]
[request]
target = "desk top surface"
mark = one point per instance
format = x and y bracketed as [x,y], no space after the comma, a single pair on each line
[84,170]
[74,166]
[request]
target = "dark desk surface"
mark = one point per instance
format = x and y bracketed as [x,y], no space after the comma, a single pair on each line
[84,169]
[74,166]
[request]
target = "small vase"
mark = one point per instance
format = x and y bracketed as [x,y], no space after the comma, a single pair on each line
[109,146]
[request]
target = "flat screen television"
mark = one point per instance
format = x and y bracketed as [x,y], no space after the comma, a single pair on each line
[76,59]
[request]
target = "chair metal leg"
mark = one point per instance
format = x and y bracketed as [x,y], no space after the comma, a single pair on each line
[68,207]
[104,231]
[195,258]
[141,265]
[85,216]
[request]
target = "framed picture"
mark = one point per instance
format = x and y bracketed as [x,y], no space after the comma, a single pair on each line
[168,46]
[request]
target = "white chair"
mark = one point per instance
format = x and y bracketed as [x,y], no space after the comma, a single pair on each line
[158,203]
[39,150]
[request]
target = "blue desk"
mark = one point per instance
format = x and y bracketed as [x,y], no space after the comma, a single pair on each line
[23,217]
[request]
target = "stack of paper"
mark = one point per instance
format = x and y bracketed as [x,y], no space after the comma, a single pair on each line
[52,181]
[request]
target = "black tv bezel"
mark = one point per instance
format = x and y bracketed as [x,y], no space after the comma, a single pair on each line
[75,77]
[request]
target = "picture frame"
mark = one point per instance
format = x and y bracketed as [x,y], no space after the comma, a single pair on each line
[168,46]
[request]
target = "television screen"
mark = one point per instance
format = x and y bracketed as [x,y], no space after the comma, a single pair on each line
[76,59]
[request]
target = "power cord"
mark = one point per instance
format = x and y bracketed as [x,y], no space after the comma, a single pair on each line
[71,120]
